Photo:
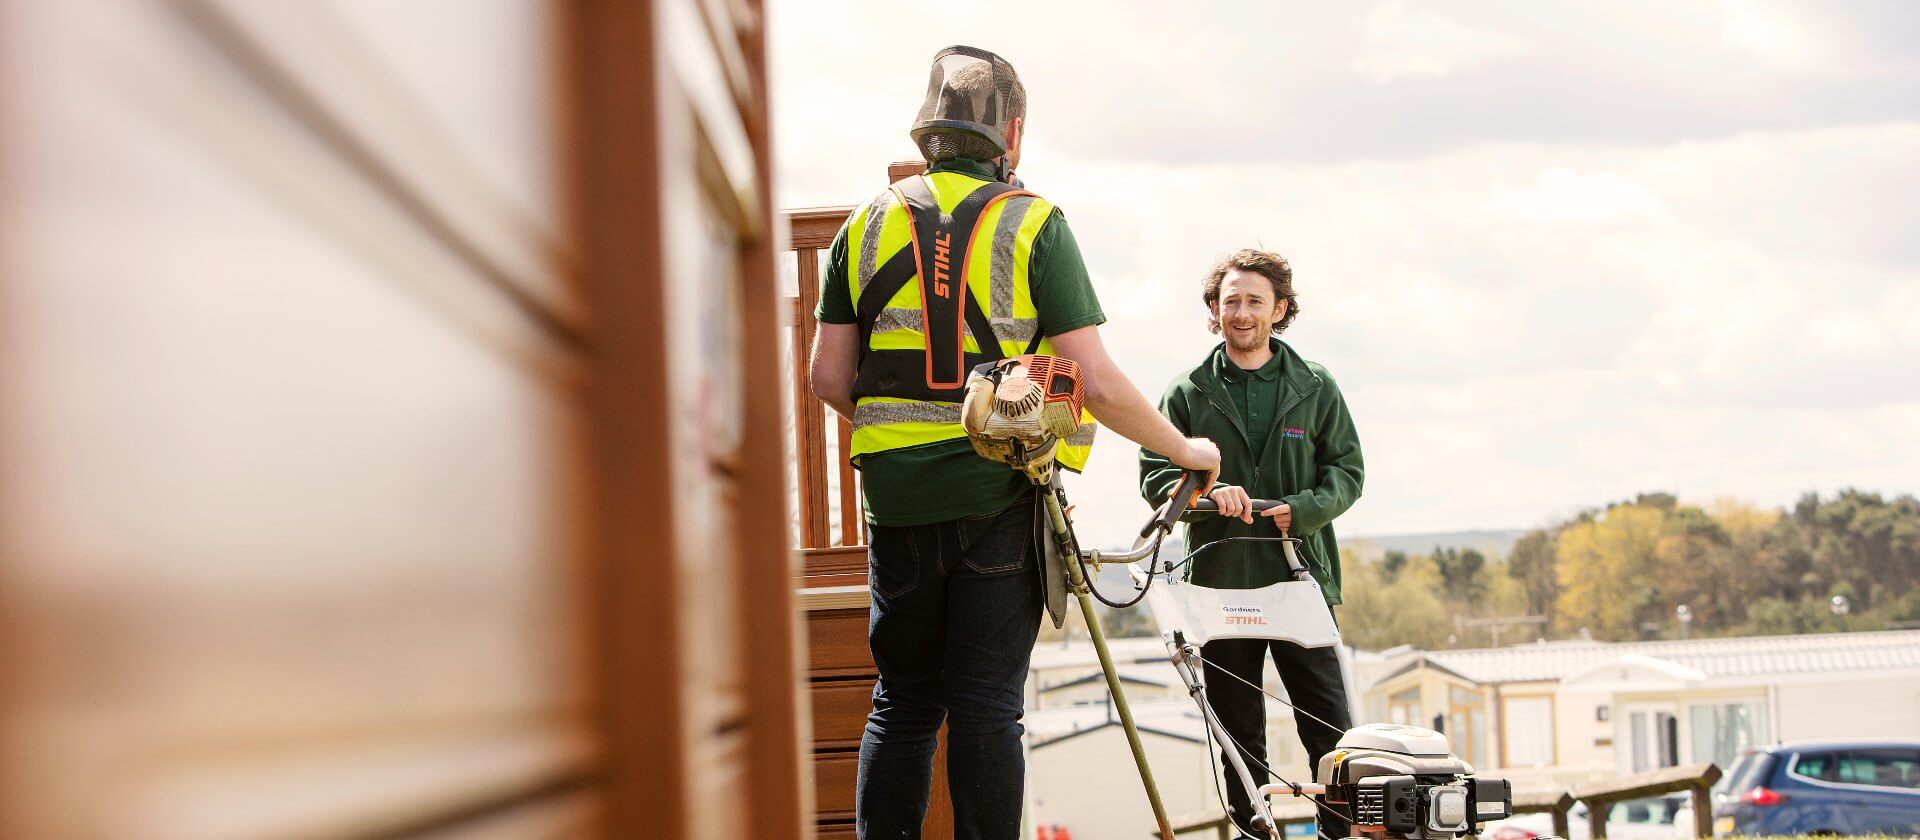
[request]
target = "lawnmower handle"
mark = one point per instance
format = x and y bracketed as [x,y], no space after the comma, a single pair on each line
[1258,505]
[1185,495]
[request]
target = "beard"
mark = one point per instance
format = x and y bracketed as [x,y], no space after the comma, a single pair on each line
[1249,341]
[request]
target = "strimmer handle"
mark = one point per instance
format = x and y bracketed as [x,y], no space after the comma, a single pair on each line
[1185,495]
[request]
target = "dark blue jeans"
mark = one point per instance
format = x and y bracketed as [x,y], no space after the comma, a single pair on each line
[956,609]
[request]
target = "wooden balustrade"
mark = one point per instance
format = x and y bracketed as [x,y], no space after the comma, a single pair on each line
[810,232]
[1694,779]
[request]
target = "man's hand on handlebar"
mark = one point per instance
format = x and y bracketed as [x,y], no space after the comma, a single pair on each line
[1234,501]
[1201,456]
[1282,516]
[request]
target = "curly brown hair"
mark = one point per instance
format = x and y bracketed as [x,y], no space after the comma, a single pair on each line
[1264,263]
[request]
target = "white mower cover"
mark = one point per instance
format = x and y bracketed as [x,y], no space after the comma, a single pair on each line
[1291,611]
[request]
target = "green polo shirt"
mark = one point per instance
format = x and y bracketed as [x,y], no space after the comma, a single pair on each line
[948,480]
[1256,395]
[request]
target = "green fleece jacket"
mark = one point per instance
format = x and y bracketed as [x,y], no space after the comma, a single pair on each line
[1311,461]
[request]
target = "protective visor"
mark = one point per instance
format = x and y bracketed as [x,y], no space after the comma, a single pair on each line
[966,111]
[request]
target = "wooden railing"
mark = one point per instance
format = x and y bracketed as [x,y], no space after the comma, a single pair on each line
[1555,803]
[830,533]
[1695,780]
[1286,811]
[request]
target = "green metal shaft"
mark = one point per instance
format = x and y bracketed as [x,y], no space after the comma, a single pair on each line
[1078,582]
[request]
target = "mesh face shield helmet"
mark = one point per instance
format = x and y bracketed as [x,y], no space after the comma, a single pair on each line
[968,106]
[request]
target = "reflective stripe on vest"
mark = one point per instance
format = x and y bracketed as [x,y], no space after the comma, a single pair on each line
[997,261]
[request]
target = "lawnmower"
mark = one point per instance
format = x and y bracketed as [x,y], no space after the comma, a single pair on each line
[1386,780]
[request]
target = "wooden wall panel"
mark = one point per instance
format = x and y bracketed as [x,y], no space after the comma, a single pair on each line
[704,712]
[292,455]
[386,449]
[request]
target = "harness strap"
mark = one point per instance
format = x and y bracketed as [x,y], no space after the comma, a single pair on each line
[949,310]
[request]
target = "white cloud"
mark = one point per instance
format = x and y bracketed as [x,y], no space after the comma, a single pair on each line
[1768,32]
[1524,324]
[1405,43]
[1563,196]
[1509,353]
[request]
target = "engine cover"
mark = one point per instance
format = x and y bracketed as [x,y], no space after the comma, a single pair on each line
[1404,781]
[1016,411]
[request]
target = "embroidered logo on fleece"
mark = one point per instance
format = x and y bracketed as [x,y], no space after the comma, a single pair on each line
[1294,434]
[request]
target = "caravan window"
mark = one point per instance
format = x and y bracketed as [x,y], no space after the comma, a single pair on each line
[1721,731]
[1529,731]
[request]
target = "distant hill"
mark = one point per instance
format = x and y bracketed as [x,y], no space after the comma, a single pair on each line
[1491,543]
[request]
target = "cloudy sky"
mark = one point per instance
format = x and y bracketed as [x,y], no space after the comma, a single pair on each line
[1553,254]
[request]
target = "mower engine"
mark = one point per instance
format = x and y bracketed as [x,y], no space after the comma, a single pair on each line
[1403,781]
[1016,411]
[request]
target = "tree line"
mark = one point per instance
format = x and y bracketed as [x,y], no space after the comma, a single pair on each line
[1623,571]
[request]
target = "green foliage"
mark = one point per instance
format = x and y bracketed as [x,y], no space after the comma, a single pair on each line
[1607,571]
[1406,609]
[1121,624]
[1391,564]
[1620,572]
[1532,565]
[1460,570]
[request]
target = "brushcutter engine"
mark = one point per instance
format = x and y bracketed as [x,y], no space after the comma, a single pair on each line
[1397,781]
[1017,411]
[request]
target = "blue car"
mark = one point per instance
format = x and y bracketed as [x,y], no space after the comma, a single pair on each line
[1822,787]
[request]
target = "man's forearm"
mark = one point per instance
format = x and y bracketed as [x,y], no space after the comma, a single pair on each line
[830,372]
[1123,409]
[1113,399]
[841,404]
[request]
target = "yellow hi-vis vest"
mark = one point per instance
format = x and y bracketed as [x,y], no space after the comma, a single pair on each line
[944,255]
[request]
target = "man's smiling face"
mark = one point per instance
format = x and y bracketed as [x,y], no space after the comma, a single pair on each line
[1246,310]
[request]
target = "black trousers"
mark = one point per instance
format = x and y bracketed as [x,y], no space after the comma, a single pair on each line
[1313,681]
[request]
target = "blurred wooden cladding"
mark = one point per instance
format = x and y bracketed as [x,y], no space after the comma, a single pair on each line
[385,442]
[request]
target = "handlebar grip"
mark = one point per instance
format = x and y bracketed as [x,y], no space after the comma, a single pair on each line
[1185,495]
[1258,505]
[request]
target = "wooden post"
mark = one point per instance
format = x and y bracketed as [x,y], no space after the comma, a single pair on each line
[1554,802]
[851,517]
[903,168]
[1702,810]
[810,420]
[1597,820]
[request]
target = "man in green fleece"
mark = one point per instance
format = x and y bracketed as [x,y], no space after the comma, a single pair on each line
[1284,433]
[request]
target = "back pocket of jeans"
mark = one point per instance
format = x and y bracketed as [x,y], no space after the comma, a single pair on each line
[893,561]
[999,542]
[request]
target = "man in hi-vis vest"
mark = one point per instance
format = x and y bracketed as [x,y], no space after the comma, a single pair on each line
[939,273]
